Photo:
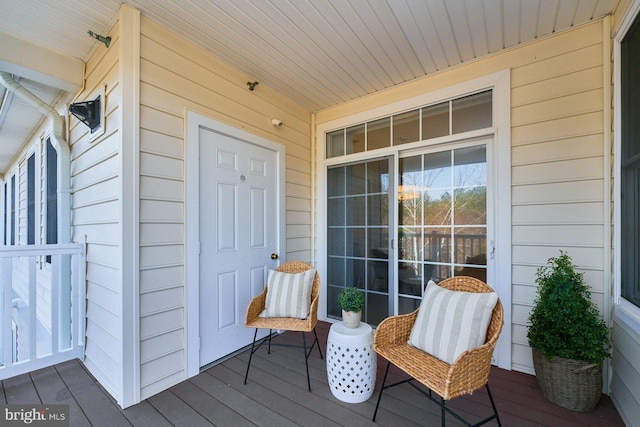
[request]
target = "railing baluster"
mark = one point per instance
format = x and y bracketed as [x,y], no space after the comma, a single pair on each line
[33,308]
[55,264]
[7,333]
[22,282]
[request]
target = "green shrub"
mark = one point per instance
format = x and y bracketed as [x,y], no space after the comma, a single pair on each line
[351,299]
[564,321]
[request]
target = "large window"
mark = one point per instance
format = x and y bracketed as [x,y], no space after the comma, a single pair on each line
[31,200]
[52,195]
[630,165]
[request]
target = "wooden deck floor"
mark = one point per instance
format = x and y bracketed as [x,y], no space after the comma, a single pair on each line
[276,395]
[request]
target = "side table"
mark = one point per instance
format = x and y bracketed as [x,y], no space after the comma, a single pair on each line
[351,362]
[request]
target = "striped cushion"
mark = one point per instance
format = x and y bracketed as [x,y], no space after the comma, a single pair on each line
[288,295]
[451,322]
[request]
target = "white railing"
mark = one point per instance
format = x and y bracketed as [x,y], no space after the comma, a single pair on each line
[42,306]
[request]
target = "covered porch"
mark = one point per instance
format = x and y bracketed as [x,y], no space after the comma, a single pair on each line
[276,395]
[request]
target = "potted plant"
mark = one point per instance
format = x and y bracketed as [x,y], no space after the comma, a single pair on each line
[351,301]
[569,340]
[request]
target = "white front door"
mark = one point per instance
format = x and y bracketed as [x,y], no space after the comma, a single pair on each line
[238,233]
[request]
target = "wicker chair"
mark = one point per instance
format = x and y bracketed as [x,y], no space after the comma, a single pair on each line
[469,372]
[285,323]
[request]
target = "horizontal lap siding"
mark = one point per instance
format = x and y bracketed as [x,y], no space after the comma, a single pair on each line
[96,208]
[557,157]
[175,77]
[557,173]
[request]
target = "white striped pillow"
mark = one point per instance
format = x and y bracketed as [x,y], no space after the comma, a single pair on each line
[451,322]
[288,295]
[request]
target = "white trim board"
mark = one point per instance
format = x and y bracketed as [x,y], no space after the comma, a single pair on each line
[195,122]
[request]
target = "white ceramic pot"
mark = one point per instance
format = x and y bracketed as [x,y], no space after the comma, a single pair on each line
[351,319]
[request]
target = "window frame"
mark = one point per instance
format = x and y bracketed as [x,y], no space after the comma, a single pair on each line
[624,309]
[500,83]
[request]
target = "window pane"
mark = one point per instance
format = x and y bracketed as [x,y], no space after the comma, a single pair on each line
[378,209]
[355,242]
[336,181]
[437,207]
[437,244]
[471,112]
[377,308]
[410,243]
[410,278]
[355,179]
[378,276]
[355,273]
[379,134]
[356,210]
[335,143]
[470,166]
[437,170]
[471,245]
[406,127]
[435,121]
[335,241]
[335,271]
[355,139]
[470,206]
[378,242]
[335,212]
[378,176]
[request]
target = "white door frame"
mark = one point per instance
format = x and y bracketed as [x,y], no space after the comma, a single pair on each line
[499,178]
[195,122]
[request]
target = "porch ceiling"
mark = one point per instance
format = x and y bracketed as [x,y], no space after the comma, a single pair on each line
[319,53]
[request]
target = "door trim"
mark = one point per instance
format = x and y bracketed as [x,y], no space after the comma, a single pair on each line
[499,177]
[195,122]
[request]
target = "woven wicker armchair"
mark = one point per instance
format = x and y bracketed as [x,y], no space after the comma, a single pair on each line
[285,323]
[469,372]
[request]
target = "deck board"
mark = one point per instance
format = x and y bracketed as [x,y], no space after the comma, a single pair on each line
[276,395]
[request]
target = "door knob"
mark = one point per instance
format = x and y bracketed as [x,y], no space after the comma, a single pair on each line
[274,256]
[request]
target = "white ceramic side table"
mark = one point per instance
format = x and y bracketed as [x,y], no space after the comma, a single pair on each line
[351,362]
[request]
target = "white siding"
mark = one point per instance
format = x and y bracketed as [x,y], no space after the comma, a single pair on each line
[176,76]
[557,172]
[557,158]
[95,215]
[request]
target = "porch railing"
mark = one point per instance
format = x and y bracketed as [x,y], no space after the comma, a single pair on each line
[42,306]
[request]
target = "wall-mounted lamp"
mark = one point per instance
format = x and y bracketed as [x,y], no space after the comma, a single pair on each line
[105,40]
[87,112]
[252,85]
[276,122]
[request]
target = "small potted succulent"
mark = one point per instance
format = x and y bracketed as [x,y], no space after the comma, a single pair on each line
[351,301]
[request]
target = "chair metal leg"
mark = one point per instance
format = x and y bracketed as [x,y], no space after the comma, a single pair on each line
[269,347]
[495,410]
[306,359]
[442,412]
[318,342]
[250,356]
[384,380]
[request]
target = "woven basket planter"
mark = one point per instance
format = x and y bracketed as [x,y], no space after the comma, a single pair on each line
[572,384]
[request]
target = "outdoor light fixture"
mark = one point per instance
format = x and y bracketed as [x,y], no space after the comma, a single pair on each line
[87,112]
[105,40]
[252,85]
